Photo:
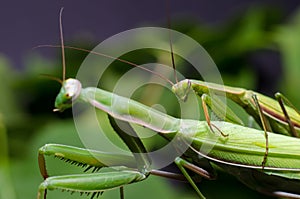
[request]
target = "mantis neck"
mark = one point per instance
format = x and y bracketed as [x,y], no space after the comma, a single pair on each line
[129,110]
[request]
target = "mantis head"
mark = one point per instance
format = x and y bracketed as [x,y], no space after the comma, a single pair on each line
[68,93]
[182,89]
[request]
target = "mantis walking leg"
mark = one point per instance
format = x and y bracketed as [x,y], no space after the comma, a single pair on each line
[183,165]
[281,99]
[219,111]
[263,120]
[222,111]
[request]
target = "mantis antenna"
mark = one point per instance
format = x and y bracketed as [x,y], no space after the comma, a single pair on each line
[170,39]
[63,54]
[108,56]
[62,45]
[52,78]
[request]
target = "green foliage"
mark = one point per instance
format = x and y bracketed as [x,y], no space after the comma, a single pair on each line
[6,186]
[9,106]
[288,40]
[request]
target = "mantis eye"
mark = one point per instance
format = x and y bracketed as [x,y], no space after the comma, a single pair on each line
[182,89]
[68,99]
[72,89]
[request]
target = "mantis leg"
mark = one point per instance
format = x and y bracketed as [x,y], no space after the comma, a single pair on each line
[221,110]
[89,159]
[263,121]
[82,157]
[204,98]
[183,165]
[133,142]
[281,99]
[96,159]
[93,184]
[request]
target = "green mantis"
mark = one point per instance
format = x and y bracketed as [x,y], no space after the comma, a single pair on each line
[196,143]
[282,118]
[243,148]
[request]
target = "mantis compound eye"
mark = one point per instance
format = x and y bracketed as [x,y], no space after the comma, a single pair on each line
[72,89]
[182,89]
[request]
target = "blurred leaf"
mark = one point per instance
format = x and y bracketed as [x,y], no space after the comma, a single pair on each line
[9,106]
[287,37]
[6,186]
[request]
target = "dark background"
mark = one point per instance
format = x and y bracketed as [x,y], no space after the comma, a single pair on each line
[26,24]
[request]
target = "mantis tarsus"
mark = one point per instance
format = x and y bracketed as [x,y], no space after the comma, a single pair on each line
[241,150]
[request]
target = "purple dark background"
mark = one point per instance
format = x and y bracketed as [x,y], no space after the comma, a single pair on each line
[26,24]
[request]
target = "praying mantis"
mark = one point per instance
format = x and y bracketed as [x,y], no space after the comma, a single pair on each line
[282,118]
[196,142]
[243,148]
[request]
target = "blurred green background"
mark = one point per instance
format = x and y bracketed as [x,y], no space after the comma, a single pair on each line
[255,49]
